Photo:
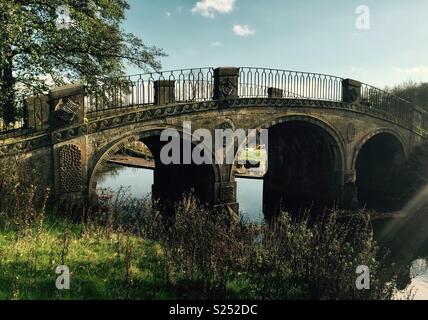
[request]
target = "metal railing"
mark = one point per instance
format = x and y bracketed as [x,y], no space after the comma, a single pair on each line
[138,90]
[198,85]
[255,82]
[386,103]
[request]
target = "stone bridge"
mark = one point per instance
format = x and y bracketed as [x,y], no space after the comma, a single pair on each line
[331,140]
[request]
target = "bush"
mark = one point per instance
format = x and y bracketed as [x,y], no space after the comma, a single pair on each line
[210,257]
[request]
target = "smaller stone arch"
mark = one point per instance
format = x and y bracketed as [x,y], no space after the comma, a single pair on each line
[373,134]
[376,160]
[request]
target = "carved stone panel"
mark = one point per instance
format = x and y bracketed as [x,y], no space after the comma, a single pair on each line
[226,83]
[66,110]
[70,165]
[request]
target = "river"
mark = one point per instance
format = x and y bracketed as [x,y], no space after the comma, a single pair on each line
[249,195]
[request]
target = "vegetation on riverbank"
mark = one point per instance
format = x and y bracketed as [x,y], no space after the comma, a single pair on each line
[126,249]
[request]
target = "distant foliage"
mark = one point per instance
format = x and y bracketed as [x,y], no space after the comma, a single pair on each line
[414,92]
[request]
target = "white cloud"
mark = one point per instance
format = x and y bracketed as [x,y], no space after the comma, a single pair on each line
[243,30]
[208,8]
[168,14]
[420,70]
[216,44]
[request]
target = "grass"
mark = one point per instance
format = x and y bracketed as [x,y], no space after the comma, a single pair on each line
[102,266]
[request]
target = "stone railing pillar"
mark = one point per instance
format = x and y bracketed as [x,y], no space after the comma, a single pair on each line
[164,92]
[226,83]
[351,91]
[67,105]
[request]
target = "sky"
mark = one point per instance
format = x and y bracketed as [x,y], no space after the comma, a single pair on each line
[380,42]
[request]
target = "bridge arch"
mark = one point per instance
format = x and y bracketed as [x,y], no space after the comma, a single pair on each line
[210,172]
[376,158]
[276,189]
[333,133]
[372,134]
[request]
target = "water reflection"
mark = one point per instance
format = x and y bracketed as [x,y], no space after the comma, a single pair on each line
[138,180]
[406,237]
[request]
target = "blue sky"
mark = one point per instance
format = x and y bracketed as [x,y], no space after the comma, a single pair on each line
[305,35]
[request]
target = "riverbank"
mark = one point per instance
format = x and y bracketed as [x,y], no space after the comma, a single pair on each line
[133,162]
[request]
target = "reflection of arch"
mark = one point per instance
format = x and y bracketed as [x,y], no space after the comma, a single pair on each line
[373,134]
[334,135]
[103,155]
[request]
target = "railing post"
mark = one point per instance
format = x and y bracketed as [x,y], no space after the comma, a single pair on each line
[164,92]
[275,93]
[351,91]
[37,113]
[226,83]
[67,105]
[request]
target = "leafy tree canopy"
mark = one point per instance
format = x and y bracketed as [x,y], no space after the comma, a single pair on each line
[39,47]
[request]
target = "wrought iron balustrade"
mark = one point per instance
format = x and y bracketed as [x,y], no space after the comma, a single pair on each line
[254,82]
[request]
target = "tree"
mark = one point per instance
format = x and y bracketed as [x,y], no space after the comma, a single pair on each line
[414,92]
[52,42]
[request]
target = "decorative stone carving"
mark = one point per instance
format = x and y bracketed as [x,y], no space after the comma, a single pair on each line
[25,145]
[66,110]
[68,105]
[227,87]
[70,165]
[226,124]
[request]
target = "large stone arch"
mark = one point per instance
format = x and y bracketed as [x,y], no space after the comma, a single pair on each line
[335,141]
[335,135]
[101,157]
